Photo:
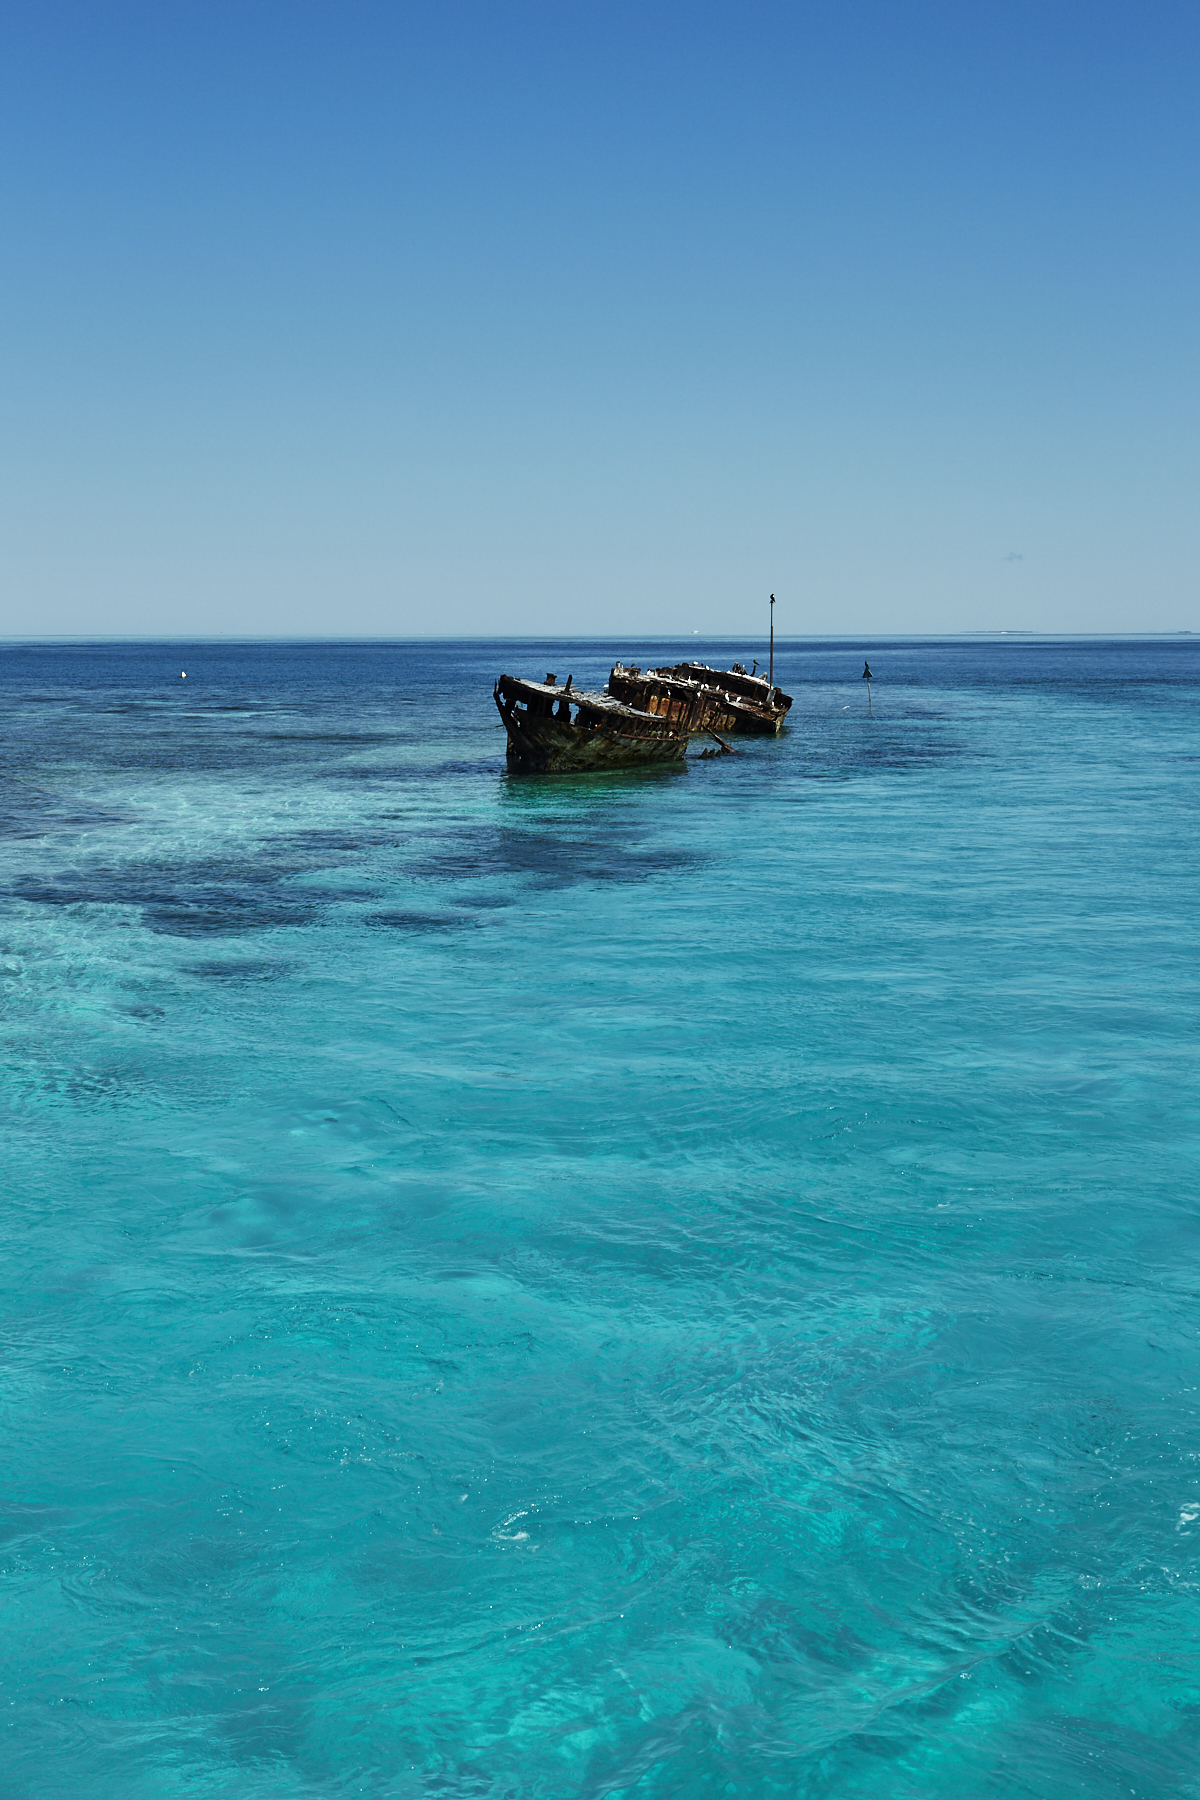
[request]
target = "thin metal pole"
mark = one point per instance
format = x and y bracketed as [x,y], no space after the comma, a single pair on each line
[772,640]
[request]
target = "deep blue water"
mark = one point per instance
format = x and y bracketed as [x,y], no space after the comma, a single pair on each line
[672,1284]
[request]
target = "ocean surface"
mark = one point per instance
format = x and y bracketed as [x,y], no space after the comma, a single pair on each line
[676,1284]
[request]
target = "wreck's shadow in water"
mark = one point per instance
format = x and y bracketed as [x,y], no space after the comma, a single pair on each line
[520,784]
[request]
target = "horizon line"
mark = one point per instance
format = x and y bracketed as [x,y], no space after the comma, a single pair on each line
[73,637]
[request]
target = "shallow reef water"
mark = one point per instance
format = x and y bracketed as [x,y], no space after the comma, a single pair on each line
[680,1283]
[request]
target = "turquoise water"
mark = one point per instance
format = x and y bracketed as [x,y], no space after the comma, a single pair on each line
[672,1284]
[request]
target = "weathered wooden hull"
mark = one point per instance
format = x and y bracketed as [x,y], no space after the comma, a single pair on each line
[554,746]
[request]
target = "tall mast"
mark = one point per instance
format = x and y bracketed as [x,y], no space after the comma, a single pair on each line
[772,640]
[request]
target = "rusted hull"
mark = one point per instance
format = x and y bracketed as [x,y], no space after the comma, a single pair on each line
[684,704]
[757,721]
[763,717]
[552,746]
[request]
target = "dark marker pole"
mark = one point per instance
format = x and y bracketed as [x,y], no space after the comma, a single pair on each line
[772,640]
[866,676]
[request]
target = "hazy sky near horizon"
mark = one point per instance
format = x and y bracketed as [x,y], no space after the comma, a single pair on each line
[367,318]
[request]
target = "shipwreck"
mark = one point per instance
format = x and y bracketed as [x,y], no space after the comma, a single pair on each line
[569,730]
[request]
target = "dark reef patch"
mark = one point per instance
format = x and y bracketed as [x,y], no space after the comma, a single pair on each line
[31,812]
[242,968]
[551,860]
[210,898]
[417,921]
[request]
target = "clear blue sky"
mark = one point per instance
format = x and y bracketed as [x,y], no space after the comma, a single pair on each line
[459,318]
